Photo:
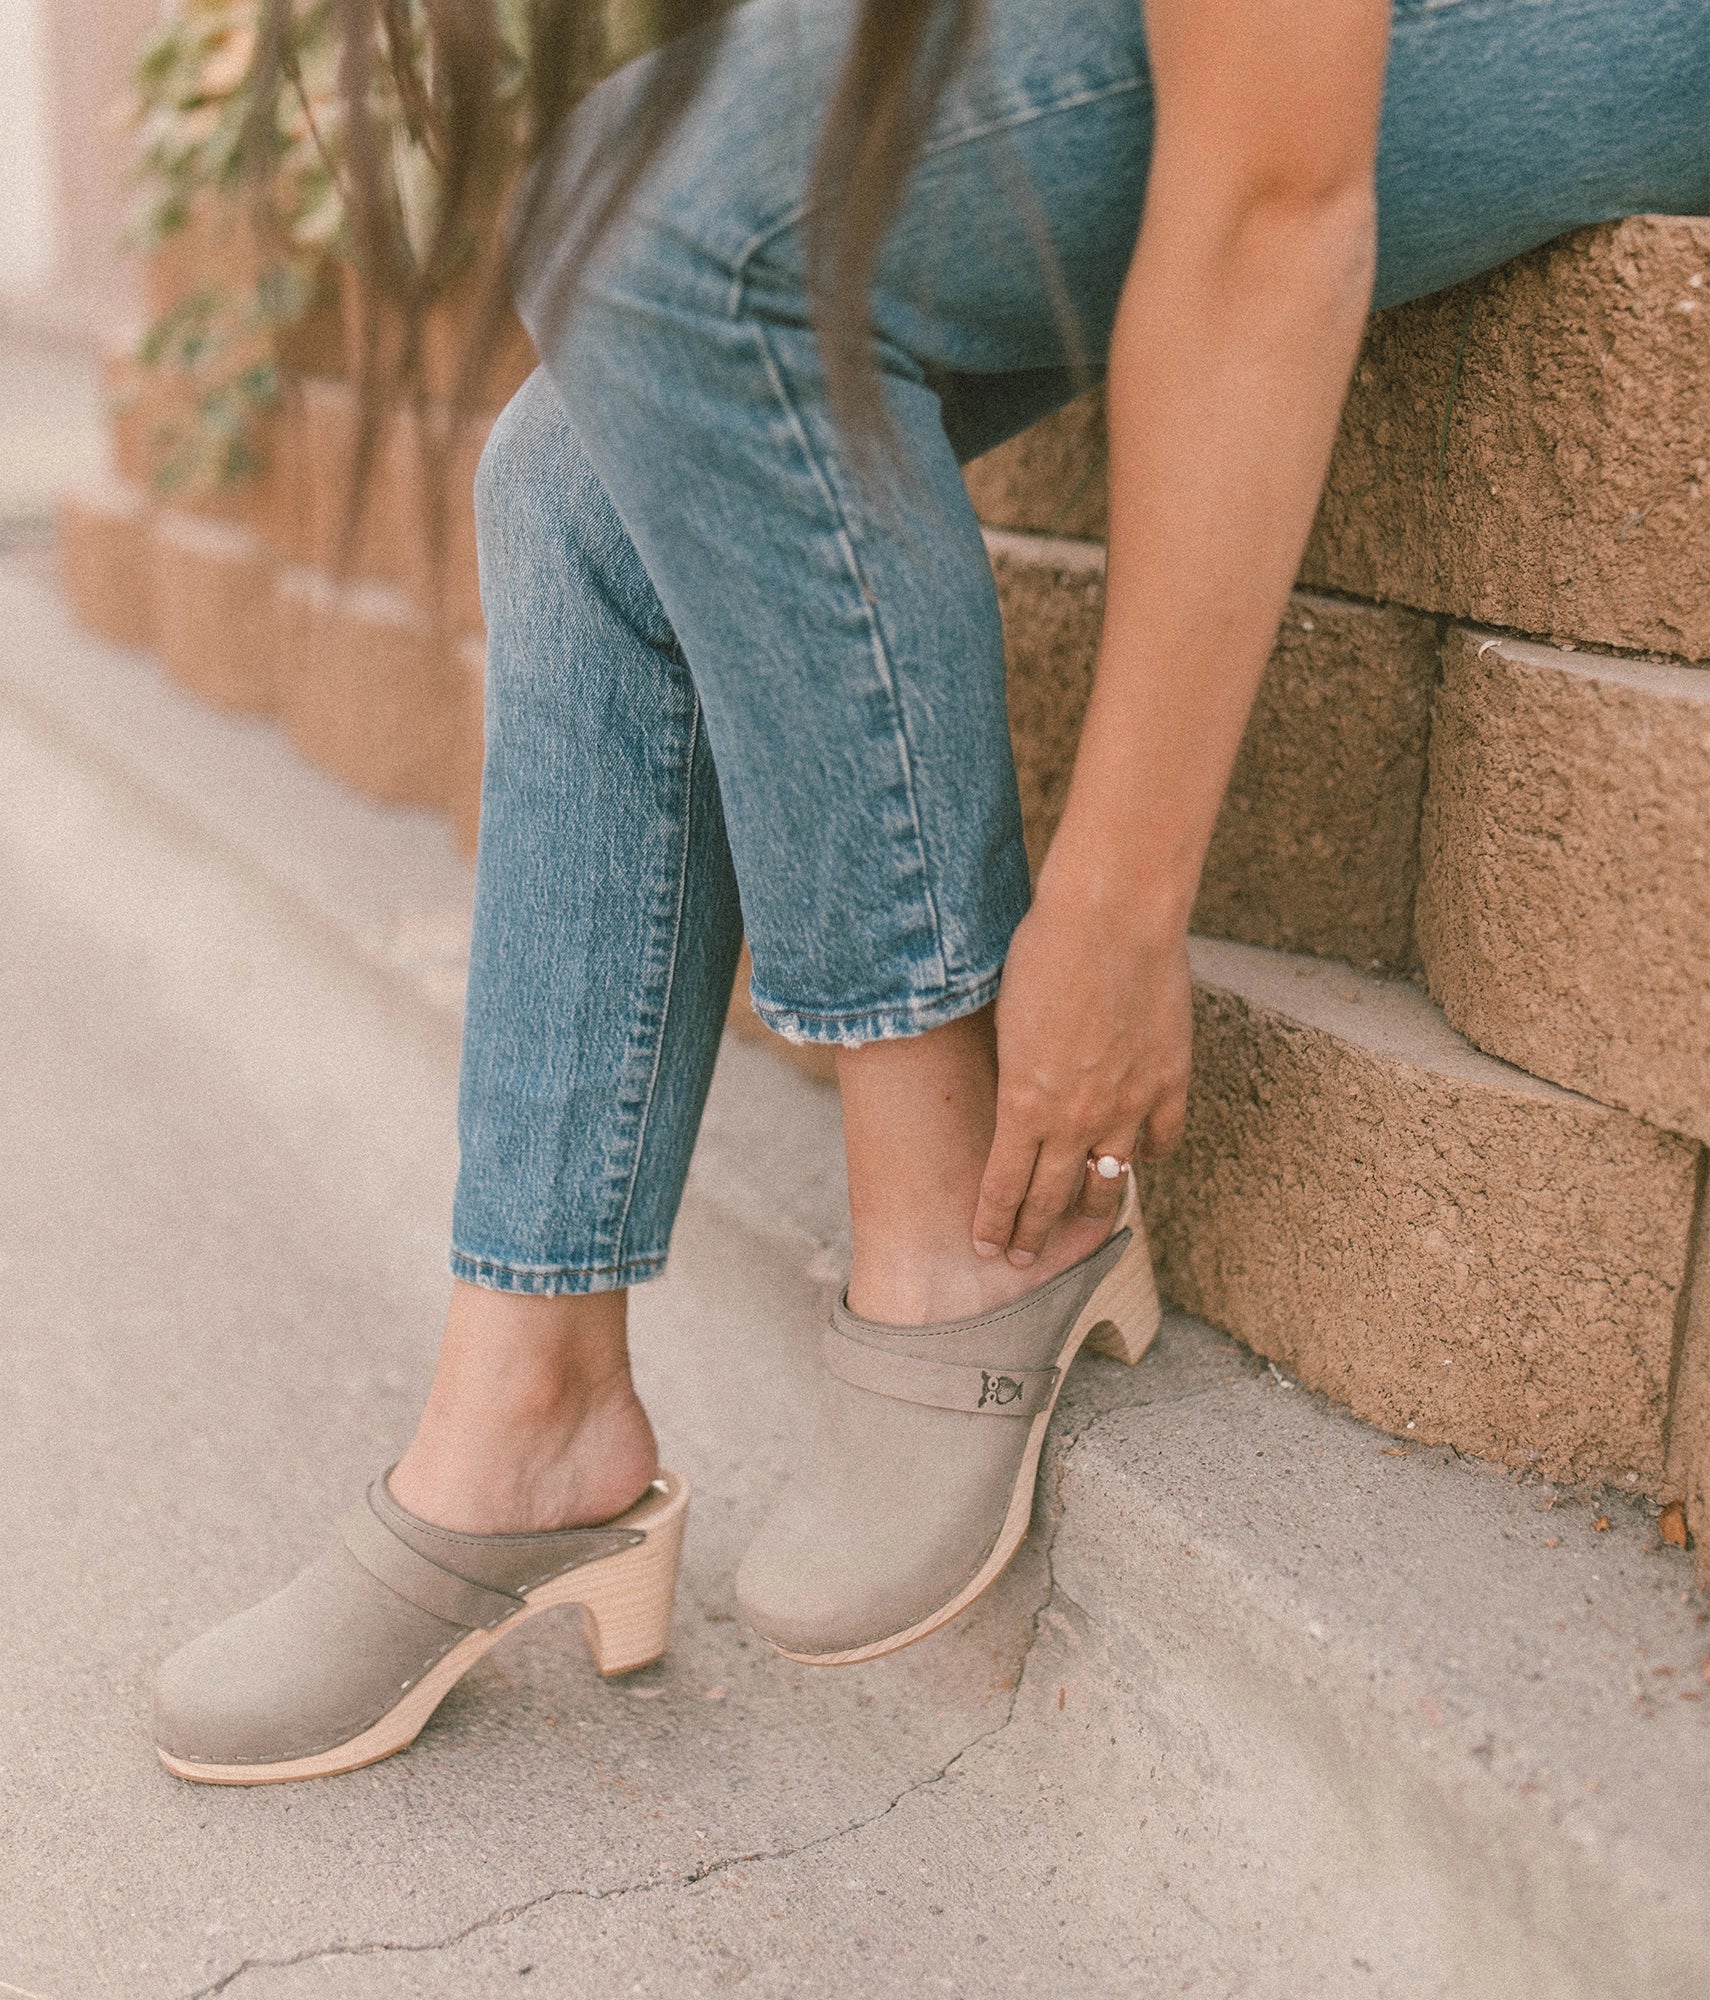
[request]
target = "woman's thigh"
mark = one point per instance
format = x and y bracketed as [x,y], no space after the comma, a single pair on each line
[848,656]
[1505,123]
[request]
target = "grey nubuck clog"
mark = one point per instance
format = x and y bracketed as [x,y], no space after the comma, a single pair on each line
[344,1665]
[918,1482]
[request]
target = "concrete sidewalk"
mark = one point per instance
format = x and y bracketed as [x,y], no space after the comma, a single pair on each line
[223,1193]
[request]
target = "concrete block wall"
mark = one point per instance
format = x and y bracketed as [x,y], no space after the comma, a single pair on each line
[262,595]
[1445,1158]
[1568,493]
[1454,1248]
[1564,919]
[1445,1155]
[1317,846]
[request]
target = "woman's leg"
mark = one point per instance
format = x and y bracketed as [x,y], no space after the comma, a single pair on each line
[847,653]
[606,935]
[846,646]
[533,1421]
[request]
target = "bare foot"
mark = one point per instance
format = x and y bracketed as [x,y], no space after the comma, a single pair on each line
[533,1422]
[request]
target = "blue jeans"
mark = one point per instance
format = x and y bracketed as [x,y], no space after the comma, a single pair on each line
[728,688]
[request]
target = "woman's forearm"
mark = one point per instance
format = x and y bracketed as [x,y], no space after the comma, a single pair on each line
[1229,363]
[1236,332]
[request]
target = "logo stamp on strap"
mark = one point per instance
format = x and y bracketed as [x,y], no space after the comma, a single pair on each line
[996,1390]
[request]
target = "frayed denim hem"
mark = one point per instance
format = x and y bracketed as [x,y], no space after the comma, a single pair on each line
[857,1028]
[554,1280]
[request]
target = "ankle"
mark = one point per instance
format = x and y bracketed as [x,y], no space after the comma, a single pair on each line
[489,1468]
[533,1422]
[900,1286]
[910,1282]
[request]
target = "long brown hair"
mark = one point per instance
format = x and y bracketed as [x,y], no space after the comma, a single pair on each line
[488,90]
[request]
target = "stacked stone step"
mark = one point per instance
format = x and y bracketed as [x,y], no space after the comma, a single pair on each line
[361,636]
[1445,1155]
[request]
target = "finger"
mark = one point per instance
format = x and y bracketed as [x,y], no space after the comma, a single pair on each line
[1164,1126]
[1056,1182]
[1101,1196]
[1003,1188]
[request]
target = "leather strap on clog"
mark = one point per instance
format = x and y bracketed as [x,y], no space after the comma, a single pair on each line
[424,1584]
[942,1385]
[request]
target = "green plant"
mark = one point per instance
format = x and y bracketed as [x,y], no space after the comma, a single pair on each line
[199,136]
[269,159]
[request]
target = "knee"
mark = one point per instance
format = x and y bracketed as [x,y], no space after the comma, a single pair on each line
[557,566]
[522,459]
[543,524]
[534,499]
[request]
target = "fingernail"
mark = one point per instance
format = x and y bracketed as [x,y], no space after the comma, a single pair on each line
[1022,1257]
[986,1249]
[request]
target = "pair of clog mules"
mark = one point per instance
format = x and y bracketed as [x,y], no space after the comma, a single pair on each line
[917,1491]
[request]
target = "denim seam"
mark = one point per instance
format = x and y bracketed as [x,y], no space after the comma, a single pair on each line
[642,1265]
[1030,114]
[875,633]
[893,1021]
[1006,122]
[639,1141]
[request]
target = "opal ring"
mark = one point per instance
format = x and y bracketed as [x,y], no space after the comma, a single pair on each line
[1107,1166]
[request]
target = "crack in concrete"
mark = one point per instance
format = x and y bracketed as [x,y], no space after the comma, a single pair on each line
[511,1912]
[723,1865]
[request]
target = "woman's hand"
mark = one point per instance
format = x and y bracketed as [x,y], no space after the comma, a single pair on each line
[1094,1032]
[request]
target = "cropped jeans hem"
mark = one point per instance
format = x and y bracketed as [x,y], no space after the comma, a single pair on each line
[859,1026]
[559,1281]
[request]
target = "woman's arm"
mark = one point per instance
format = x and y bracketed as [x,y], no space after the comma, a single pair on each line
[1236,334]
